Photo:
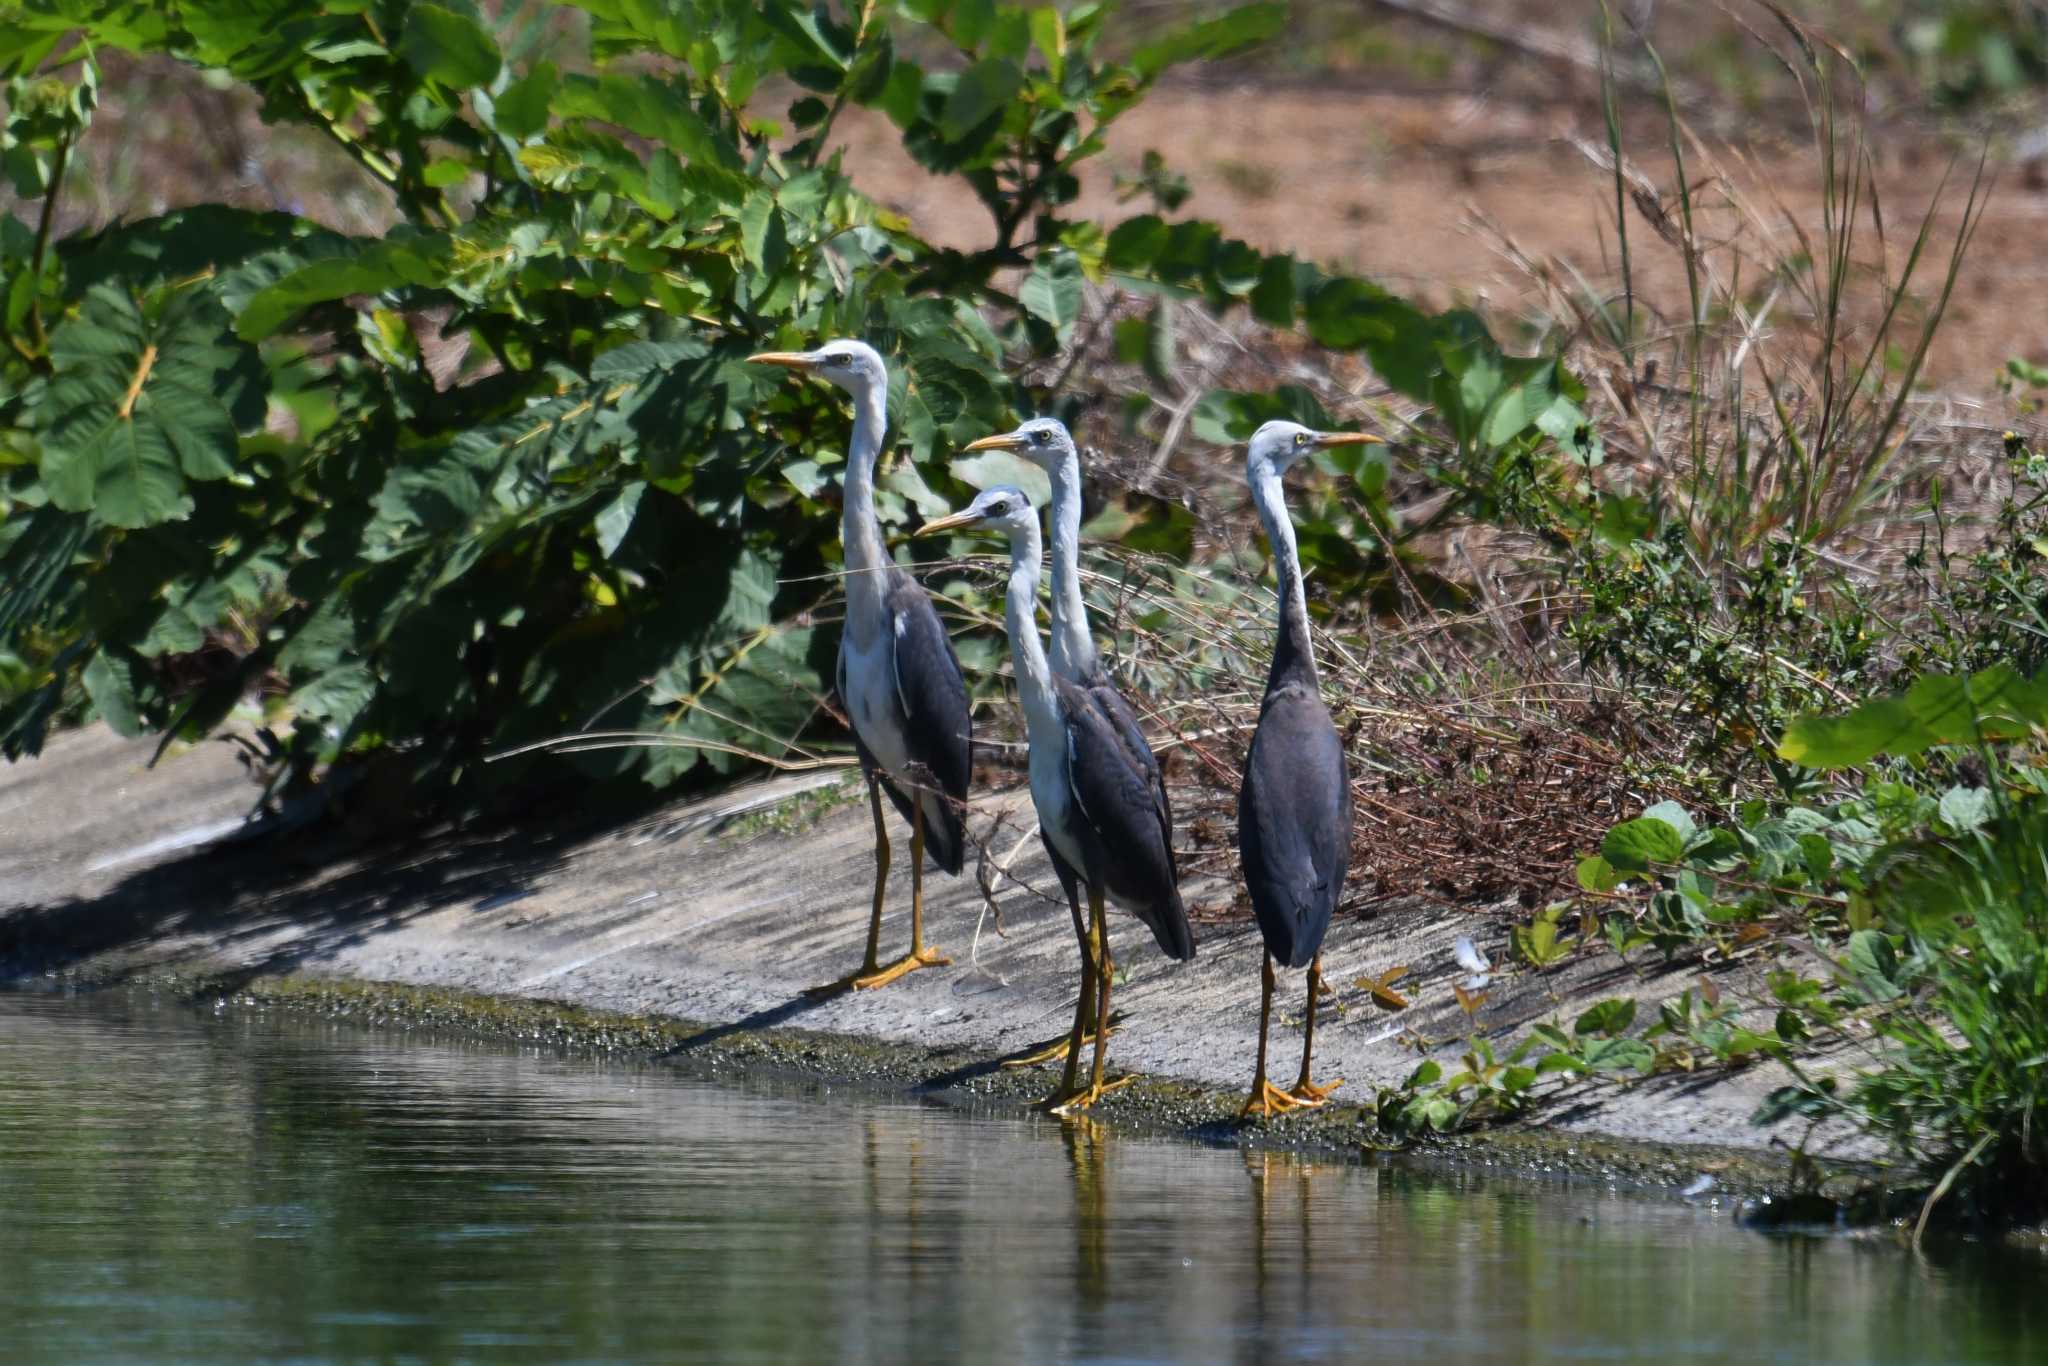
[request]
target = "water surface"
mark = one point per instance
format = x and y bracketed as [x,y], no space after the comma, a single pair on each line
[178,1183]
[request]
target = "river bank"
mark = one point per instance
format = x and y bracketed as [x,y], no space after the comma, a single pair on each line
[691,931]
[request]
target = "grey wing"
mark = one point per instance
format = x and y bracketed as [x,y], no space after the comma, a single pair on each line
[1120,714]
[1294,825]
[938,725]
[1127,839]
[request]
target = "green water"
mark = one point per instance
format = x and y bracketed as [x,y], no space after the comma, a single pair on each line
[178,1184]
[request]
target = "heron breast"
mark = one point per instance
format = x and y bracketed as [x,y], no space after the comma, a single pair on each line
[867,684]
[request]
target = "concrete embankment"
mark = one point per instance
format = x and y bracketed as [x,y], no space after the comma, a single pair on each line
[695,929]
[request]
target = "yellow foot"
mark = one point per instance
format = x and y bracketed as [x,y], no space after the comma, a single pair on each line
[1086,1096]
[1054,1051]
[1308,1095]
[871,976]
[1268,1101]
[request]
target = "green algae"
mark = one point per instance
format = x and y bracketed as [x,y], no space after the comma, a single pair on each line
[1150,1106]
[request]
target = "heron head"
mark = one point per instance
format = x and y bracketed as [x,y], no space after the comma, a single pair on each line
[852,365]
[1002,509]
[1279,443]
[1044,441]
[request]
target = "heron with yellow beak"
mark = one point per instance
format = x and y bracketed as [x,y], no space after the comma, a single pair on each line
[899,680]
[1097,810]
[1294,804]
[1046,443]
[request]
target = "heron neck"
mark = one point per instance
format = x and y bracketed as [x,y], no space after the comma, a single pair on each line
[1292,656]
[1027,654]
[859,532]
[1073,648]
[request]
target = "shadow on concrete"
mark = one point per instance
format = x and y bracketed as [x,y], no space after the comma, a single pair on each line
[768,1017]
[289,898]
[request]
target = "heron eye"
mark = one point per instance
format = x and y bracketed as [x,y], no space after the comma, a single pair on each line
[1301,438]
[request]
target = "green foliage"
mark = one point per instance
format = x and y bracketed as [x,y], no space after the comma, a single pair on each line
[1736,653]
[1956,986]
[1967,51]
[497,473]
[1990,705]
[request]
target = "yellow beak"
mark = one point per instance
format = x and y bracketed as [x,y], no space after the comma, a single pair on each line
[1001,441]
[952,523]
[792,360]
[1349,439]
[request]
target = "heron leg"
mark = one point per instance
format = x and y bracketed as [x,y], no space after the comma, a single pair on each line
[1266,1098]
[870,963]
[1071,1099]
[1067,1045]
[919,956]
[1304,1091]
[1071,1080]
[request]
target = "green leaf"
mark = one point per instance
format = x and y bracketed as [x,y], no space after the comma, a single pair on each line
[1634,845]
[1964,809]
[1135,243]
[447,47]
[617,518]
[1052,292]
[1675,816]
[1993,704]
[136,406]
[1596,874]
[984,90]
[522,107]
[1609,1017]
[1049,36]
[374,267]
[650,108]
[111,685]
[1212,38]
[1620,1055]
[1874,963]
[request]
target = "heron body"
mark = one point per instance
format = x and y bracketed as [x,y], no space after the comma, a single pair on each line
[1046,443]
[893,686]
[1097,808]
[1294,803]
[898,677]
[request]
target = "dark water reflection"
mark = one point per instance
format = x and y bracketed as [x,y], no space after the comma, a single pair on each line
[178,1185]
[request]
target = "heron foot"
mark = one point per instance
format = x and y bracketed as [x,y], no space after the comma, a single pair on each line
[872,975]
[1081,1098]
[1269,1100]
[1055,1050]
[1308,1094]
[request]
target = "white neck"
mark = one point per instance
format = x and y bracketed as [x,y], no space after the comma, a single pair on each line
[1073,648]
[1027,655]
[1270,497]
[859,532]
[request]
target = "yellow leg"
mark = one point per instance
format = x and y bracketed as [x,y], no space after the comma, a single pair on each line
[1304,1091]
[871,973]
[1069,1099]
[1266,1098]
[1062,1048]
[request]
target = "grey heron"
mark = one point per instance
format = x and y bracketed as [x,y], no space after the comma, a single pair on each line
[1099,811]
[1294,805]
[1046,443]
[898,677]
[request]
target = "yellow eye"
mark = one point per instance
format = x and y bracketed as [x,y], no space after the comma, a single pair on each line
[1301,438]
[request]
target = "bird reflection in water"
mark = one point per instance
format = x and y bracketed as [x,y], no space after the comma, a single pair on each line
[1087,1144]
[1283,1259]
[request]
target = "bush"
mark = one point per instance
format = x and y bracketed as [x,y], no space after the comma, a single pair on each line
[1961,1089]
[498,474]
